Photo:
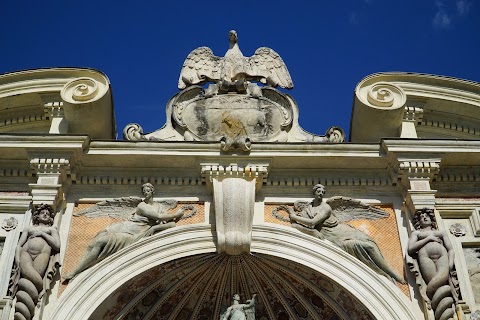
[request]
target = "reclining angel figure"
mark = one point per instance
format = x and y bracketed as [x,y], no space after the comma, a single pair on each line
[141,218]
[325,220]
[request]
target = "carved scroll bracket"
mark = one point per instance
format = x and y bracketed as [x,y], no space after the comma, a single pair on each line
[234,189]
[55,174]
[415,177]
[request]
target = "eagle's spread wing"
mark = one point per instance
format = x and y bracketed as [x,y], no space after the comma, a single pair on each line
[268,64]
[119,208]
[346,209]
[199,67]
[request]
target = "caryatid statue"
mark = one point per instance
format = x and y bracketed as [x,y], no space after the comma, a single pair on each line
[36,261]
[434,256]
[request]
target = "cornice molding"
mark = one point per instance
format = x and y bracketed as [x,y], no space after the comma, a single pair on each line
[42,80]
[138,180]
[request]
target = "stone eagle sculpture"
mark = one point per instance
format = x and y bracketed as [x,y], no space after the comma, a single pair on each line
[265,66]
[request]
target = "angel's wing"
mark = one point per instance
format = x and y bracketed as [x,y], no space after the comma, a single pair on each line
[269,65]
[200,66]
[346,209]
[119,208]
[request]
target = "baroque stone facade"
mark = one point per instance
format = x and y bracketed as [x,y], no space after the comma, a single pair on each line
[233,217]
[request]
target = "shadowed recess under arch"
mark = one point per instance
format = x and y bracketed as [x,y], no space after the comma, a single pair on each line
[201,287]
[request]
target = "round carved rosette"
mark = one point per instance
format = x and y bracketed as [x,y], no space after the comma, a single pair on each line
[83,90]
[458,230]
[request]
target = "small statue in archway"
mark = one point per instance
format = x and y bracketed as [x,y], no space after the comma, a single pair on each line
[434,267]
[240,311]
[36,261]
[141,218]
[325,220]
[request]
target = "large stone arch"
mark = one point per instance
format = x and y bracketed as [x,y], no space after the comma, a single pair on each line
[85,295]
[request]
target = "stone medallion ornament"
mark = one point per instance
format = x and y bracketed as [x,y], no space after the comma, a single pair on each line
[9,224]
[458,230]
[239,106]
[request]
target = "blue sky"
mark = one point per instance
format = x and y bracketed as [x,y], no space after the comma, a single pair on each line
[328,46]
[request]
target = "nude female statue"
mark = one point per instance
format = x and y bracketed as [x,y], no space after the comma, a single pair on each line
[149,218]
[435,257]
[317,219]
[36,258]
[240,311]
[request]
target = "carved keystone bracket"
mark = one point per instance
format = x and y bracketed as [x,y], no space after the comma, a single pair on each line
[234,197]
[54,175]
[416,175]
[411,171]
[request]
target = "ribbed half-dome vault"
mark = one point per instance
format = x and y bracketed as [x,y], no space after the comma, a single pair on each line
[201,287]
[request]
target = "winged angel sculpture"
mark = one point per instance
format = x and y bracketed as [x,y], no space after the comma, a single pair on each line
[325,220]
[234,70]
[140,219]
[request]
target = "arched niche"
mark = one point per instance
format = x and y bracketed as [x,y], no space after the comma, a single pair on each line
[178,273]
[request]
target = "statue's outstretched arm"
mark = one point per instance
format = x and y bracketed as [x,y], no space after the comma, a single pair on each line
[251,303]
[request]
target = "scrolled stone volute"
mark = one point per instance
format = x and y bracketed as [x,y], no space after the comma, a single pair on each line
[133,132]
[83,90]
[88,107]
[382,104]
